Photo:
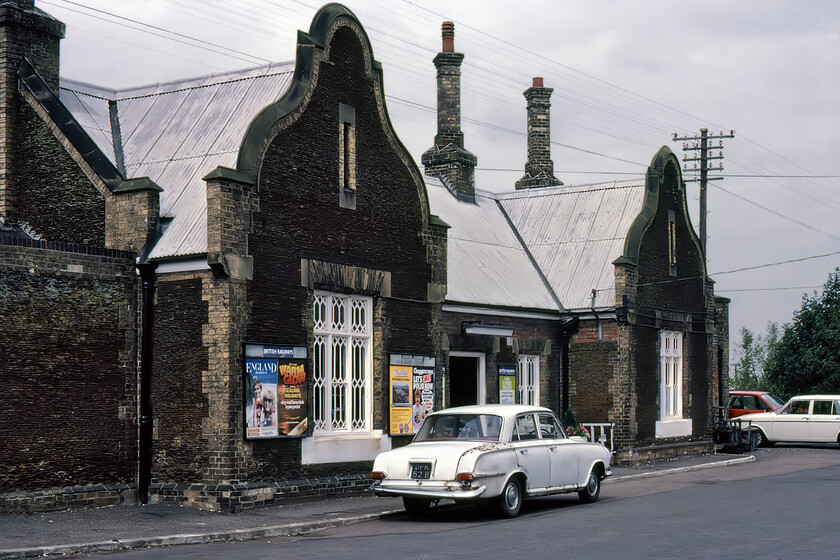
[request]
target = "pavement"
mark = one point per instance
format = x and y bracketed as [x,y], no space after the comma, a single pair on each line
[139,526]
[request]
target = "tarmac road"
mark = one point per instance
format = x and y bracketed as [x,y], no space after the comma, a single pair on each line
[126,527]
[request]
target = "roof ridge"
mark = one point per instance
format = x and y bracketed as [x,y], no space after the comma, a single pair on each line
[175,86]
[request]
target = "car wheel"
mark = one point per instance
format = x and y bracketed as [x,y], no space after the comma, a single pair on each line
[416,507]
[510,502]
[761,439]
[590,492]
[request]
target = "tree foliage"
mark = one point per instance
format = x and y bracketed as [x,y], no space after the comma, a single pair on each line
[747,374]
[752,351]
[806,357]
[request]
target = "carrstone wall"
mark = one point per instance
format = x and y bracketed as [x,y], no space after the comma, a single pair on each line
[69,371]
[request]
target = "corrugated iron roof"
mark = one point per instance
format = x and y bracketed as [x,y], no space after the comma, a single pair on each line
[486,262]
[175,134]
[545,249]
[575,233]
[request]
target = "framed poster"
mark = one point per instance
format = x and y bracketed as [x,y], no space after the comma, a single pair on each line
[275,391]
[507,385]
[423,396]
[412,392]
[401,399]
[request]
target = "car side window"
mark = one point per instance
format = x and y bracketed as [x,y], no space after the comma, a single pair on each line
[549,427]
[797,407]
[823,407]
[735,402]
[526,428]
[749,403]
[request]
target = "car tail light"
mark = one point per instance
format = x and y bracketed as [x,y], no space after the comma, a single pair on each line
[377,477]
[465,478]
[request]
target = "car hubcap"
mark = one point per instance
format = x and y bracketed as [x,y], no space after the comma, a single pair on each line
[512,496]
[593,484]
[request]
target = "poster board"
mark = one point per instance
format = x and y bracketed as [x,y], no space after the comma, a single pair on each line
[507,385]
[275,382]
[412,392]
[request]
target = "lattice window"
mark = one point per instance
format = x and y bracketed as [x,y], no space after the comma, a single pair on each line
[320,310]
[343,372]
[321,379]
[670,390]
[528,381]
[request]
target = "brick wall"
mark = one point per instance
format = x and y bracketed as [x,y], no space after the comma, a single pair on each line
[69,355]
[302,223]
[653,297]
[256,291]
[593,367]
[179,403]
[53,195]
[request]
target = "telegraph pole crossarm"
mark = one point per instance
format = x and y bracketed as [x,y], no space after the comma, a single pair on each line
[700,143]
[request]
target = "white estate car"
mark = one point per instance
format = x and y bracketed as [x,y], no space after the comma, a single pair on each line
[804,418]
[503,453]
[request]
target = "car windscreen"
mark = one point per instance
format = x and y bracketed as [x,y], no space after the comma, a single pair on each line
[774,401]
[482,427]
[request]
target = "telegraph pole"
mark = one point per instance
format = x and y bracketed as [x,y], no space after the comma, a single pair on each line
[705,145]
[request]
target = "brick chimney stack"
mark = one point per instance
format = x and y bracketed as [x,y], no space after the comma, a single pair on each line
[448,159]
[25,31]
[539,170]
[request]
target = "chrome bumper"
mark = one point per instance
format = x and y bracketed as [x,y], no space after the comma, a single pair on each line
[432,494]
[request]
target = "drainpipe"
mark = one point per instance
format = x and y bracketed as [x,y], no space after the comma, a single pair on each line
[148,277]
[566,330]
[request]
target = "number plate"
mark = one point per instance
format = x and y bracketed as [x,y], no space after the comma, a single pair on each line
[421,470]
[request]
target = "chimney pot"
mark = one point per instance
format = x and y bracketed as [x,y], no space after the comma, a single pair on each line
[448,32]
[538,82]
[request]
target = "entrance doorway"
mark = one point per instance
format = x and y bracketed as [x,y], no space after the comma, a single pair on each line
[466,378]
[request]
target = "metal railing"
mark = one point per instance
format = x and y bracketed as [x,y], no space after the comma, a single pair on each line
[601,432]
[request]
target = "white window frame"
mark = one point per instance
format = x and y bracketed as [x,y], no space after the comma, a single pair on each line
[528,379]
[671,422]
[343,364]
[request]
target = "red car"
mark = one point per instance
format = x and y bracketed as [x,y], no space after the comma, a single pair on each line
[749,402]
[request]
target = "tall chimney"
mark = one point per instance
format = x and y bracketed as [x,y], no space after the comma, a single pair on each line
[539,170]
[448,159]
[25,32]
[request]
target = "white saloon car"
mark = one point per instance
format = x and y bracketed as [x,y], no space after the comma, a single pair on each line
[805,418]
[501,453]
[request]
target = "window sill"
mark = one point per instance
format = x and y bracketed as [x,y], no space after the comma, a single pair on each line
[330,447]
[673,428]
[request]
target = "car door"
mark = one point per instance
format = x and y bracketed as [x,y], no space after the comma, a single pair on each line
[563,453]
[531,452]
[825,420]
[791,423]
[752,404]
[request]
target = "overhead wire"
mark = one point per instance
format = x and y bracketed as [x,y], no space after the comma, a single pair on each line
[501,71]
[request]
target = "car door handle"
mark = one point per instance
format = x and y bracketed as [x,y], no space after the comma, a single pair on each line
[523,451]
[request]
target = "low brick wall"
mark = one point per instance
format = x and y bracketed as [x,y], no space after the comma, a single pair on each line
[654,453]
[71,497]
[228,498]
[234,498]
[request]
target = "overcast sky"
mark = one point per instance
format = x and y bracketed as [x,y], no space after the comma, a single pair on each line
[626,76]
